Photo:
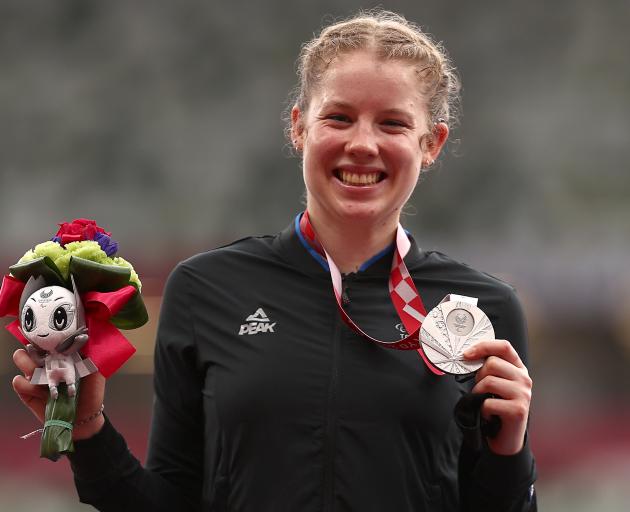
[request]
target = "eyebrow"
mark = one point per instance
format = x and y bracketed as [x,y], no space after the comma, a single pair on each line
[398,112]
[344,105]
[33,300]
[58,298]
[336,104]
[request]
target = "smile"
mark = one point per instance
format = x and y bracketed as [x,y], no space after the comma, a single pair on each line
[43,335]
[359,179]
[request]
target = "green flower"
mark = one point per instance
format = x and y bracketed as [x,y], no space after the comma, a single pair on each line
[121,262]
[88,250]
[51,249]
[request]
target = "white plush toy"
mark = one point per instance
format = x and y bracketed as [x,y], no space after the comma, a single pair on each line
[52,320]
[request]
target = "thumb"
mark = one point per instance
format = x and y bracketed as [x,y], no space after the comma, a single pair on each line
[34,397]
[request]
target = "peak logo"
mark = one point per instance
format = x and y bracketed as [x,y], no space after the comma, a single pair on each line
[257,322]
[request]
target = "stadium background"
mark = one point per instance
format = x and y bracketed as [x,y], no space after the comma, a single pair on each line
[162,120]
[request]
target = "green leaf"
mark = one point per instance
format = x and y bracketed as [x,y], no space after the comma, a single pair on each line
[91,276]
[57,440]
[43,266]
[133,314]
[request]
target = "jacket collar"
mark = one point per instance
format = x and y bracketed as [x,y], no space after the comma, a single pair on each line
[296,250]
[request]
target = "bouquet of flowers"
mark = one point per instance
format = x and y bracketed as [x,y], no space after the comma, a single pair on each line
[71,295]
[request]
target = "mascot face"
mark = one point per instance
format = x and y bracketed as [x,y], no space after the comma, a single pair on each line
[49,316]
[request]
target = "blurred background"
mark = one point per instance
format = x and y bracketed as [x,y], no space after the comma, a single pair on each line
[162,120]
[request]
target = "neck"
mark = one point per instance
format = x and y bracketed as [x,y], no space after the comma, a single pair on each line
[351,242]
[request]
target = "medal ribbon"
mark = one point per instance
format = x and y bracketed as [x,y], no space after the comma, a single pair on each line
[402,291]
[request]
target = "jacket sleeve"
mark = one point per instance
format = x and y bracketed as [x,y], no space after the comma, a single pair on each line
[487,481]
[107,475]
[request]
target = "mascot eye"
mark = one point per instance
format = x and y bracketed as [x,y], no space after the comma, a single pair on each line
[29,320]
[62,317]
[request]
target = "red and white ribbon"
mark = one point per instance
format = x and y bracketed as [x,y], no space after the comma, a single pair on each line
[402,291]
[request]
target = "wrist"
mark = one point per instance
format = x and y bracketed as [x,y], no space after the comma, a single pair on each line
[88,427]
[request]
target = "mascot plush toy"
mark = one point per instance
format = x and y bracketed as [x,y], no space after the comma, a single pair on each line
[52,320]
[70,297]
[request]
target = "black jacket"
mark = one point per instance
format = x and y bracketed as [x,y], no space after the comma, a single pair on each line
[265,401]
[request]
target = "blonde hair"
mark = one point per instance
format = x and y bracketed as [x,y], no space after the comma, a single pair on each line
[389,36]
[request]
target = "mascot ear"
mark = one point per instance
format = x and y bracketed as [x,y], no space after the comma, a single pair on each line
[78,304]
[32,285]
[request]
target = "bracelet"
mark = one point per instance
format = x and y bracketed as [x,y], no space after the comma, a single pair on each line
[91,418]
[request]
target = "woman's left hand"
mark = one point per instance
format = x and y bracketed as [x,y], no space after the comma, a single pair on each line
[503,374]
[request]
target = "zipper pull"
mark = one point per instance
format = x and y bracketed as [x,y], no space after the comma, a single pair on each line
[345,299]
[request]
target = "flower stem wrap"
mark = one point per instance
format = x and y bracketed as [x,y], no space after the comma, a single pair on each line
[58,421]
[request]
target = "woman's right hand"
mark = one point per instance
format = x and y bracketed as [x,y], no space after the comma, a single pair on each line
[34,396]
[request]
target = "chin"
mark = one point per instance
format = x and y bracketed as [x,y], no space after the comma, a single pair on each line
[363,213]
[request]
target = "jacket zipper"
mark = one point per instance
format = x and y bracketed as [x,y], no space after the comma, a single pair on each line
[331,417]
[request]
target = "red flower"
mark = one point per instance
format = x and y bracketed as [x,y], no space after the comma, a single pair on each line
[77,230]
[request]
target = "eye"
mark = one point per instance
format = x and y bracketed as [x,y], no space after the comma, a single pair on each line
[394,123]
[61,317]
[29,320]
[340,118]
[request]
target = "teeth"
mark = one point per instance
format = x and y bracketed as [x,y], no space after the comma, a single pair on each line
[351,178]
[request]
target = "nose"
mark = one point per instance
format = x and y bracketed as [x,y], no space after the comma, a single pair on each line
[362,141]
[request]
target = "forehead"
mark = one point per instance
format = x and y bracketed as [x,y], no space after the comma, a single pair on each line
[50,295]
[363,78]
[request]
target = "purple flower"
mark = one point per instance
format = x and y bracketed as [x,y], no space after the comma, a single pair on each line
[108,245]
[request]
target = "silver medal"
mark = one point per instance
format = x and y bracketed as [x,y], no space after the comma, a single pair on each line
[451,328]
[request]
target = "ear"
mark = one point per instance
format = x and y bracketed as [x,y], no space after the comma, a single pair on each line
[297,128]
[32,285]
[432,143]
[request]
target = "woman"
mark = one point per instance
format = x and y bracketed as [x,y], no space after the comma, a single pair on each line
[265,400]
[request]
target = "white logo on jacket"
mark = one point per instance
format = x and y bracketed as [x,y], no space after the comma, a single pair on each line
[401,329]
[258,322]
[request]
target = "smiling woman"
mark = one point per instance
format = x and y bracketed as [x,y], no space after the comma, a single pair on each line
[275,391]
[370,112]
[365,135]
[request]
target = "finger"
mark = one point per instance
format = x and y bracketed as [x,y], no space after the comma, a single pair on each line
[494,365]
[513,409]
[24,363]
[28,391]
[499,348]
[503,388]
[34,397]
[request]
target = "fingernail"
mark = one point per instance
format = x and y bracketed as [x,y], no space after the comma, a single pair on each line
[469,353]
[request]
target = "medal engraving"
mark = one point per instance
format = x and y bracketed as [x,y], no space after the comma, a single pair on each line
[449,330]
[460,322]
[435,327]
